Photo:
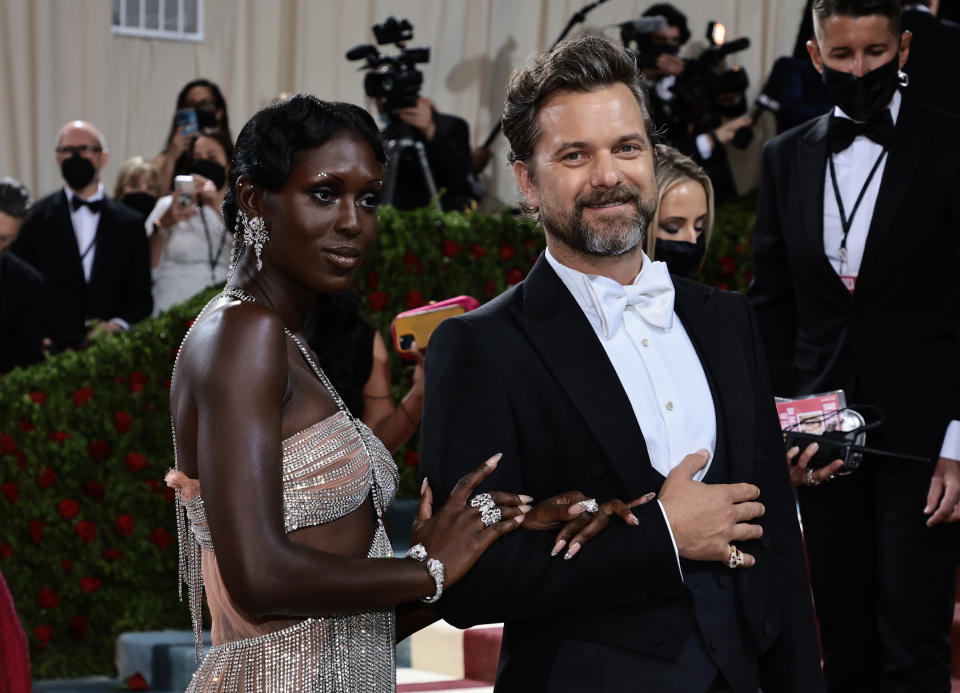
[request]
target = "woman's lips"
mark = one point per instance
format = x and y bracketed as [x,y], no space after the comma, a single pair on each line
[345,257]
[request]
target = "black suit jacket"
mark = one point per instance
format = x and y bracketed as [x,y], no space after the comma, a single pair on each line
[934,62]
[119,285]
[892,343]
[21,313]
[525,375]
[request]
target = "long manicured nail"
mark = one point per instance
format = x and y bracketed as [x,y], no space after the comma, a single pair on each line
[575,509]
[524,508]
[492,462]
[572,551]
[558,547]
[703,452]
[649,496]
[526,499]
[632,519]
[423,486]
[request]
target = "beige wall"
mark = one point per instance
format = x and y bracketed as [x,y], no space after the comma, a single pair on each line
[60,61]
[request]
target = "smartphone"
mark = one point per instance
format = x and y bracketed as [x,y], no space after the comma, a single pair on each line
[184,188]
[415,326]
[188,117]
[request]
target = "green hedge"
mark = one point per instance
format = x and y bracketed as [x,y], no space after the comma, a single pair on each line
[87,537]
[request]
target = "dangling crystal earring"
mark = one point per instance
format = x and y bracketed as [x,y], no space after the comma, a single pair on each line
[903,78]
[254,233]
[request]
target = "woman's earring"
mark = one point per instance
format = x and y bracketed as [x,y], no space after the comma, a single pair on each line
[254,233]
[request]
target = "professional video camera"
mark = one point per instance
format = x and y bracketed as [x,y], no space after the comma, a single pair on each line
[392,77]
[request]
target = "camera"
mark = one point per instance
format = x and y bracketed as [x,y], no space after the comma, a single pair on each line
[393,78]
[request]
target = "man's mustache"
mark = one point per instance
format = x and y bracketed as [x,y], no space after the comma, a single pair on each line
[606,197]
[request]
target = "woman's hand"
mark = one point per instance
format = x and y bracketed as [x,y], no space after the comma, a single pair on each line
[179,143]
[176,213]
[456,534]
[799,475]
[567,510]
[206,192]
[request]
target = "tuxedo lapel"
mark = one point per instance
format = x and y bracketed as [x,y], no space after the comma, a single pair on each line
[67,238]
[101,241]
[570,349]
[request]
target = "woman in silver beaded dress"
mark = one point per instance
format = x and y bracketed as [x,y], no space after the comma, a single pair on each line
[280,491]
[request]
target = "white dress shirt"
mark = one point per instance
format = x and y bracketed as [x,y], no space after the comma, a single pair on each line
[852,166]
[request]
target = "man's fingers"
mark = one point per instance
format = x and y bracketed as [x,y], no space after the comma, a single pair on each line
[824,473]
[745,531]
[468,483]
[933,495]
[743,492]
[749,510]
[807,455]
[947,504]
[692,463]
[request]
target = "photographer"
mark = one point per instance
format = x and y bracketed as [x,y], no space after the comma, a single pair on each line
[690,99]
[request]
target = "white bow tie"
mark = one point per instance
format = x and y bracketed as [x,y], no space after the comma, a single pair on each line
[651,295]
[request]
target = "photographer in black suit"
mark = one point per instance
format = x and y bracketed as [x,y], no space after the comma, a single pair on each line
[91,250]
[856,287]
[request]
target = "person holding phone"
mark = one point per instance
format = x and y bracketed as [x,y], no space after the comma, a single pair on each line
[200,106]
[189,243]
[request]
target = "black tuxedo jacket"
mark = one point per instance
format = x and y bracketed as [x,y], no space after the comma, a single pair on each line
[892,343]
[934,62]
[525,375]
[119,285]
[21,313]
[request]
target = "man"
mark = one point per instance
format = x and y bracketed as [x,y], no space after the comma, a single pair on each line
[91,250]
[934,62]
[21,286]
[855,288]
[600,373]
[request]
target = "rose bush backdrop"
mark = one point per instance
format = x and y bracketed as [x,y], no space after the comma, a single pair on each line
[87,531]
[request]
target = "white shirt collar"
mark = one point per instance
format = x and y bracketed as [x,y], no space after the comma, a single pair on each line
[99,195]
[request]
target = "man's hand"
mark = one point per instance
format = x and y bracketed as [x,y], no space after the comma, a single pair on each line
[724,134]
[103,327]
[798,471]
[707,518]
[670,64]
[420,117]
[945,490]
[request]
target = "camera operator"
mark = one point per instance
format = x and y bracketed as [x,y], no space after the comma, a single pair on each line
[679,91]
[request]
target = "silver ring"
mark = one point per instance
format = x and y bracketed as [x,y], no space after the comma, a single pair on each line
[490,516]
[480,500]
[810,480]
[736,558]
[589,505]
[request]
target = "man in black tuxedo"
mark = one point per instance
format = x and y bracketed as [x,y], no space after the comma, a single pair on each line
[601,373]
[21,286]
[91,250]
[934,62]
[856,288]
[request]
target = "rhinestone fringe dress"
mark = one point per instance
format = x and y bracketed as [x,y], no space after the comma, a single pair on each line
[329,470]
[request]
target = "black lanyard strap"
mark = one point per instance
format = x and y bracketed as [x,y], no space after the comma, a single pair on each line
[845,222]
[211,258]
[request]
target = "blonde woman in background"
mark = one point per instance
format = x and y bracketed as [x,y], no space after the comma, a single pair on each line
[138,185]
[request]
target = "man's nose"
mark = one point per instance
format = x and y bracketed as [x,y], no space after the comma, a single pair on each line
[606,171]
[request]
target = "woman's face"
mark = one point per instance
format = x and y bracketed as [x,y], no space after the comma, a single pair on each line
[683,212]
[324,219]
[208,148]
[140,185]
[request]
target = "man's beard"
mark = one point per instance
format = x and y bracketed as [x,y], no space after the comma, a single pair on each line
[603,237]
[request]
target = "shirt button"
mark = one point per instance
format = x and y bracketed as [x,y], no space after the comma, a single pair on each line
[670,406]
[645,342]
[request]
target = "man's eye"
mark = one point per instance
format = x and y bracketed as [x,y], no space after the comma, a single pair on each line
[629,148]
[573,156]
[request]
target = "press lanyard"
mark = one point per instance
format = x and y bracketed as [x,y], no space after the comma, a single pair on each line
[845,222]
[211,258]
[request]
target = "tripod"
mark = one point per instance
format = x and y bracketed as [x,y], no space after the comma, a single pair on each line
[395,148]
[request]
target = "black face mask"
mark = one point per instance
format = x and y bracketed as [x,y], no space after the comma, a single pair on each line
[78,171]
[206,118]
[682,258]
[210,170]
[660,49]
[143,202]
[862,97]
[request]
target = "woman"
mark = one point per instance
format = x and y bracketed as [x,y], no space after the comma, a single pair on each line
[284,491]
[188,242]
[684,217]
[204,98]
[138,185]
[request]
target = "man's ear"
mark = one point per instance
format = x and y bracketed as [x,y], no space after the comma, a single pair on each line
[248,197]
[905,38]
[525,181]
[813,48]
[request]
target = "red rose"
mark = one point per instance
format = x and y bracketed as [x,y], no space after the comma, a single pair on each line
[98,449]
[7,445]
[137,380]
[42,634]
[135,461]
[27,426]
[168,493]
[59,436]
[160,537]
[412,263]
[478,251]
[112,554]
[378,300]
[82,396]
[137,683]
[507,251]
[68,509]
[21,460]
[94,490]
[727,265]
[35,530]
[414,299]
[38,397]
[490,289]
[78,626]
[46,478]
[47,598]
[411,458]
[722,286]
[373,280]
[451,248]
[66,565]
[11,490]
[153,484]
[90,584]
[123,422]
[514,276]
[5,550]
[124,525]
[190,322]
[87,531]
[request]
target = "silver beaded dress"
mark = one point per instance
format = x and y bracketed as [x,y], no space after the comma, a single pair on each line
[329,470]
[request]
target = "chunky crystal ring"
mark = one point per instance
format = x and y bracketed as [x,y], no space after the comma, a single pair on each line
[811,480]
[417,552]
[590,505]
[736,558]
[480,500]
[490,516]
